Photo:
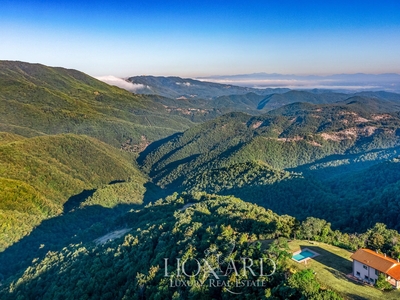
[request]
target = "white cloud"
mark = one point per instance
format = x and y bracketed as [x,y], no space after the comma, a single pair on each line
[119,82]
[184,83]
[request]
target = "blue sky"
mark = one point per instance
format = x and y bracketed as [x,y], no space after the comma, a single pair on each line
[202,38]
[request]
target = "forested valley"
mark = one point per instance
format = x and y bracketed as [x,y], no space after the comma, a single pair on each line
[103,190]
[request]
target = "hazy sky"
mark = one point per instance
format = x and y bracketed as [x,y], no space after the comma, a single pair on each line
[201,38]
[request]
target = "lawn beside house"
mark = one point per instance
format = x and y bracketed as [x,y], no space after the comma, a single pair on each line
[332,266]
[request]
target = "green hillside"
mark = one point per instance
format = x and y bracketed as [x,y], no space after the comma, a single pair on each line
[373,194]
[275,101]
[236,176]
[6,137]
[288,137]
[39,175]
[140,258]
[132,266]
[36,99]
[354,197]
[301,159]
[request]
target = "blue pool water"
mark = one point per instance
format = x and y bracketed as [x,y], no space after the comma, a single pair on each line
[303,254]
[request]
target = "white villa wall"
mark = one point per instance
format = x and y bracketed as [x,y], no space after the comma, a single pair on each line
[369,272]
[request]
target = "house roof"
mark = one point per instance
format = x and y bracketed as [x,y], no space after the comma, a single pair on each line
[375,260]
[394,272]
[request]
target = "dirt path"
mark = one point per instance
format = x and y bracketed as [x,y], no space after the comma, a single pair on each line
[111,236]
[186,206]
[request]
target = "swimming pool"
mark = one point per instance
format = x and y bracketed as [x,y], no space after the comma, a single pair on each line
[303,254]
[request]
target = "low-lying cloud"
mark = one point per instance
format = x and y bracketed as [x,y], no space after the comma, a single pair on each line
[121,83]
[351,82]
[296,84]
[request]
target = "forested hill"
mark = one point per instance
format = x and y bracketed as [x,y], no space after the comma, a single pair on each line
[43,177]
[291,159]
[61,136]
[36,99]
[288,137]
[177,87]
[138,262]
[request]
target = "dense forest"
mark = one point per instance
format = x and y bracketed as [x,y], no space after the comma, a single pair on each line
[104,191]
[330,160]
[185,226]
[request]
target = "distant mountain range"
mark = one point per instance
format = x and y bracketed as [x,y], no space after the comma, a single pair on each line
[226,98]
[186,88]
